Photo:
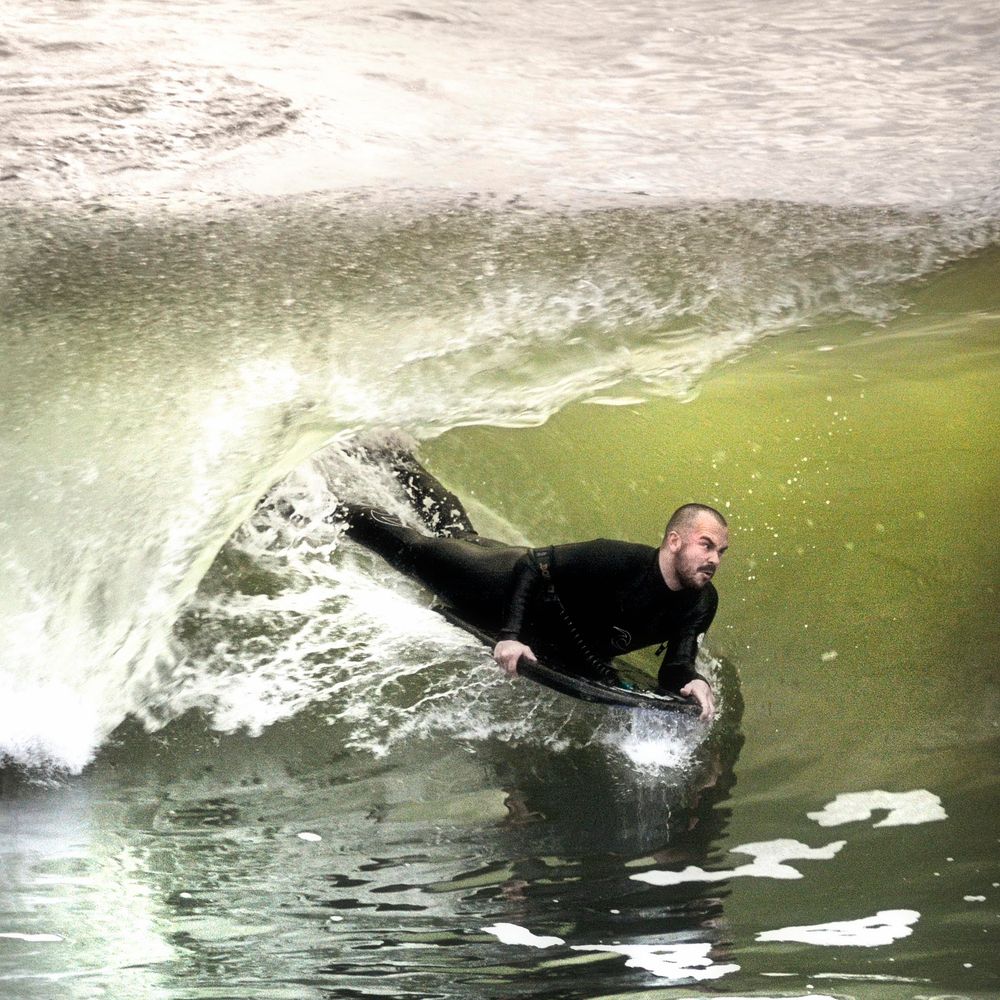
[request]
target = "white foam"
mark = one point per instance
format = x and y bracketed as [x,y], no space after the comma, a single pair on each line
[313,838]
[19,936]
[769,862]
[513,934]
[651,742]
[48,723]
[867,977]
[636,108]
[868,932]
[655,742]
[904,808]
[671,961]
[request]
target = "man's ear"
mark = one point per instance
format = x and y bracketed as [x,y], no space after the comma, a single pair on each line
[674,541]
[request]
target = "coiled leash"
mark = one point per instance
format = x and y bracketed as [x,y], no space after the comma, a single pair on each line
[598,668]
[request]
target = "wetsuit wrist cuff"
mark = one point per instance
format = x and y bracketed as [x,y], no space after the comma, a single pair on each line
[671,681]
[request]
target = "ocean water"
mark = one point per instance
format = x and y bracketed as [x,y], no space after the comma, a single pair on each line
[593,260]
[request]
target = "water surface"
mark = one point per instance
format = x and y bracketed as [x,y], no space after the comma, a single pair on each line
[596,261]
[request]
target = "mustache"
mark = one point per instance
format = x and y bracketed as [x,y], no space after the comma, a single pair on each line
[710,570]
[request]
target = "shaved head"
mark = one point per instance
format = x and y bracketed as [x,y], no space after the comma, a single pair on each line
[684,517]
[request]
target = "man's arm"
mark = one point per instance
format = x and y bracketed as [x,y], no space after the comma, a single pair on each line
[677,667]
[680,676]
[525,580]
[677,671]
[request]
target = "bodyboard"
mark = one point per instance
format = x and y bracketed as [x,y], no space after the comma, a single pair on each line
[625,686]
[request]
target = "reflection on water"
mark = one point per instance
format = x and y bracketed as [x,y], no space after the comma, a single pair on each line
[479,872]
[247,861]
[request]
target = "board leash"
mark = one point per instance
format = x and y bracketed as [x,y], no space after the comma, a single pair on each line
[602,671]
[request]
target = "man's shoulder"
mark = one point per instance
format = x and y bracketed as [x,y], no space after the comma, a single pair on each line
[606,555]
[612,547]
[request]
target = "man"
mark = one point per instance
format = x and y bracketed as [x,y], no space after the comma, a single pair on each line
[594,600]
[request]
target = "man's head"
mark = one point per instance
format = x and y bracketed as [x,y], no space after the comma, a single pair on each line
[695,540]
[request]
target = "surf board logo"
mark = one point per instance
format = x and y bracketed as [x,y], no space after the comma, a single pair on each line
[382,517]
[621,639]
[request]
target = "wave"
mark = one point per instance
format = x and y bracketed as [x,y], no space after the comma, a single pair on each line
[291,617]
[159,376]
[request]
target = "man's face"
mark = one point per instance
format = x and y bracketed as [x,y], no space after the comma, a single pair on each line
[698,550]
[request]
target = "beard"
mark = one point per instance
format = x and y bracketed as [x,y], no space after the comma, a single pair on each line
[688,574]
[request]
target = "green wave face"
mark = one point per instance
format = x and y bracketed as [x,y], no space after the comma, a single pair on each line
[857,466]
[274,730]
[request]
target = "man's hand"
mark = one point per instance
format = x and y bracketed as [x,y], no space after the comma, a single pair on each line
[508,651]
[701,691]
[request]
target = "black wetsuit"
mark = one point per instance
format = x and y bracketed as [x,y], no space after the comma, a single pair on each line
[600,599]
[612,598]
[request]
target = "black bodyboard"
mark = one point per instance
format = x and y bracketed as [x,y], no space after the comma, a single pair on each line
[625,686]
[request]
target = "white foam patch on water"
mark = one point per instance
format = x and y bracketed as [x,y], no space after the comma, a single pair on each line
[904,808]
[668,961]
[883,928]
[514,934]
[671,961]
[656,754]
[866,977]
[652,741]
[769,862]
[19,936]
[72,725]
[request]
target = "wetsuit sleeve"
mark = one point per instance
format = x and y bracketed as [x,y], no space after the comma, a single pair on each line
[677,668]
[525,579]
